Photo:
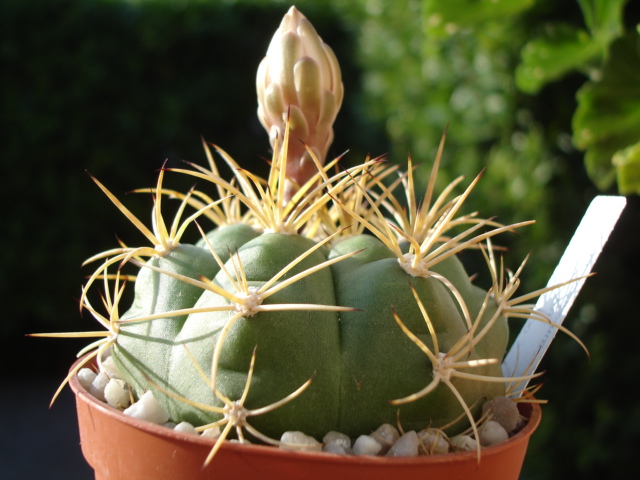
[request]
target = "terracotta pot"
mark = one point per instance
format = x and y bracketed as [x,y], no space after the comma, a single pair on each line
[119,448]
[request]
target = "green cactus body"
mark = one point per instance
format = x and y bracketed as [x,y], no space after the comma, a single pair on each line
[144,349]
[156,293]
[360,360]
[292,346]
[495,344]
[227,239]
[379,362]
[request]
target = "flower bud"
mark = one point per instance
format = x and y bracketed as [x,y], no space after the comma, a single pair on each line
[299,80]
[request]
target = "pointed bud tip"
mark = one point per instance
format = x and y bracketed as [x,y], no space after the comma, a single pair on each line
[299,73]
[293,11]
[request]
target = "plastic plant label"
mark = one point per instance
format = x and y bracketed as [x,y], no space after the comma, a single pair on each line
[578,259]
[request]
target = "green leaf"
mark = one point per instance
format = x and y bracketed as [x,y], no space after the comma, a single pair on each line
[603,18]
[562,49]
[442,17]
[627,163]
[607,119]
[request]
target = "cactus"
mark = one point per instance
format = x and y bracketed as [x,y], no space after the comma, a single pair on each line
[319,301]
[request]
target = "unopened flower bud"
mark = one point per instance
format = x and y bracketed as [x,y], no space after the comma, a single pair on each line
[299,80]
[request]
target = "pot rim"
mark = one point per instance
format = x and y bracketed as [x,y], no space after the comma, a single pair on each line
[531,411]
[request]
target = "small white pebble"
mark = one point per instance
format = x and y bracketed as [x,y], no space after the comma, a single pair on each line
[433,441]
[97,386]
[463,443]
[492,432]
[366,445]
[504,411]
[386,435]
[406,446]
[336,436]
[106,353]
[86,376]
[335,447]
[148,408]
[116,393]
[109,367]
[185,427]
[299,441]
[211,432]
[336,442]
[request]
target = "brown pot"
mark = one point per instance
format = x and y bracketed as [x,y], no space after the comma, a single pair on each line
[122,448]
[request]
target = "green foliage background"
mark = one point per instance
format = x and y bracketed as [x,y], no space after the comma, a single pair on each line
[542,94]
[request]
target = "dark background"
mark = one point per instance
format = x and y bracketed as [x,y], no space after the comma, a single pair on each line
[116,88]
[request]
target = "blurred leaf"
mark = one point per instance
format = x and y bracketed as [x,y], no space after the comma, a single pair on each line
[442,17]
[603,18]
[627,163]
[607,119]
[562,49]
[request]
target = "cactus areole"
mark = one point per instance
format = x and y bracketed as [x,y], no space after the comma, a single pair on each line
[318,301]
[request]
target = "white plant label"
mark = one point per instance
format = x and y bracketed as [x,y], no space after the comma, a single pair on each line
[578,259]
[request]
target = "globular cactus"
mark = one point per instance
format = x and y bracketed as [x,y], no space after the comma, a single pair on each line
[319,301]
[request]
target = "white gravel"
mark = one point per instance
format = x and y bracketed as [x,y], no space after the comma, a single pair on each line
[386,435]
[463,443]
[504,411]
[491,432]
[116,393]
[406,446]
[97,386]
[86,376]
[366,445]
[336,442]
[433,442]
[501,414]
[299,441]
[212,432]
[186,427]
[109,367]
[148,408]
